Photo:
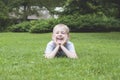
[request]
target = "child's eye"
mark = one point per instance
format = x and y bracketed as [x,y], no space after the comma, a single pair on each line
[57,32]
[63,32]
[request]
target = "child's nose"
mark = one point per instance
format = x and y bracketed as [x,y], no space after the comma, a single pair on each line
[60,34]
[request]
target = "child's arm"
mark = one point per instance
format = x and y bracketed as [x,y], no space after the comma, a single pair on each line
[69,53]
[53,53]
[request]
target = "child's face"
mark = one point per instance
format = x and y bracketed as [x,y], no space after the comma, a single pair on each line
[60,35]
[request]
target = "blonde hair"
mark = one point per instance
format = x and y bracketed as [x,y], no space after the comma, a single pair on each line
[62,26]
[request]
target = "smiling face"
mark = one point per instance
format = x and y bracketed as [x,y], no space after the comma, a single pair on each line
[60,34]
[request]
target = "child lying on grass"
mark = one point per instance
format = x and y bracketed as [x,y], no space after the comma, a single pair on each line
[60,44]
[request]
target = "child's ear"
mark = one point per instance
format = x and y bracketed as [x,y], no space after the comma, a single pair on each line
[68,36]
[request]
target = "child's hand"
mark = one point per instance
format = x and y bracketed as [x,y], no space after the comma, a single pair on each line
[64,41]
[55,41]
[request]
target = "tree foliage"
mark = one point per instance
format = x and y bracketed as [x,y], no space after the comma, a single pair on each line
[24,8]
[29,7]
[106,7]
[3,10]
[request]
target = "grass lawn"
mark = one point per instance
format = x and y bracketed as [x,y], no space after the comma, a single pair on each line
[21,57]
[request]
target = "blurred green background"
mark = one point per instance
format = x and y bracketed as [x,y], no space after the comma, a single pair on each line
[40,16]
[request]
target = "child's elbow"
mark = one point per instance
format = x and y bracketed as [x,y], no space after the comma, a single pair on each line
[48,56]
[74,56]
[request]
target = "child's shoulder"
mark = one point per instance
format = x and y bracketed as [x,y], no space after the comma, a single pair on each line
[51,43]
[69,43]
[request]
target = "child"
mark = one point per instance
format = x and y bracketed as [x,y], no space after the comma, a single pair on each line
[60,44]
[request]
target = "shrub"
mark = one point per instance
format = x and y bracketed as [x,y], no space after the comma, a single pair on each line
[21,27]
[76,23]
[90,22]
[39,26]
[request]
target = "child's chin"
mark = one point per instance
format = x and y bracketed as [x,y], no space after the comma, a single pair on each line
[59,41]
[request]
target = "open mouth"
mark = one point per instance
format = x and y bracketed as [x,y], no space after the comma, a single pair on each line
[59,38]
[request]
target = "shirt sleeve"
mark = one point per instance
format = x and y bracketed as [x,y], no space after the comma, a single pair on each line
[49,48]
[70,47]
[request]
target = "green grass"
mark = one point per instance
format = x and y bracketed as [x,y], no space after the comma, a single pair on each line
[21,57]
